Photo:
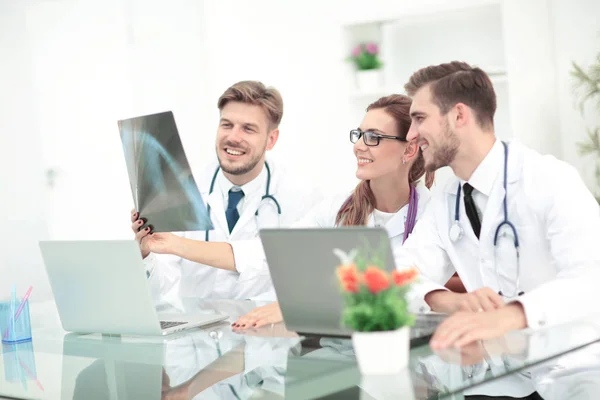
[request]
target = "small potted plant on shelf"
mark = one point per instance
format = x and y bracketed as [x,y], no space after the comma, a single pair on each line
[366,58]
[376,310]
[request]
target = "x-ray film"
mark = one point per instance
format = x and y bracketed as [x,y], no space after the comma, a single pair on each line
[162,185]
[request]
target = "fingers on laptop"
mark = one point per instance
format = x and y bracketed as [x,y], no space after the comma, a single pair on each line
[249,320]
[256,319]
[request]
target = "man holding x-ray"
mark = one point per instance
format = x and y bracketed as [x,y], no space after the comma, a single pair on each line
[244,191]
[521,229]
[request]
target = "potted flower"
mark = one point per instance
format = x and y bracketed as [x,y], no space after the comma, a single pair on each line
[376,309]
[366,58]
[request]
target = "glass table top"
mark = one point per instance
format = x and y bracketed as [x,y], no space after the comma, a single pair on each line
[272,363]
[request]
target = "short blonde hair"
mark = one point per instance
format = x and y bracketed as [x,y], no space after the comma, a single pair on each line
[256,93]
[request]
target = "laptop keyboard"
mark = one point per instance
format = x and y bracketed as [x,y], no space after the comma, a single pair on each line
[426,324]
[170,324]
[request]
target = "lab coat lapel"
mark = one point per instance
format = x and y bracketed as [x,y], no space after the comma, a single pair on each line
[494,213]
[217,212]
[267,210]
[395,225]
[467,245]
[249,212]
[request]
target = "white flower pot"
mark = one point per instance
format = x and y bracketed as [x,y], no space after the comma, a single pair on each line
[371,79]
[382,353]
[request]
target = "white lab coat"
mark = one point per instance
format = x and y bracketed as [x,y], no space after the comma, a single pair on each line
[172,277]
[324,215]
[558,225]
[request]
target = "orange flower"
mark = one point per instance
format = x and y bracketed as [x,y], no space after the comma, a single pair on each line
[376,279]
[405,277]
[349,277]
[351,287]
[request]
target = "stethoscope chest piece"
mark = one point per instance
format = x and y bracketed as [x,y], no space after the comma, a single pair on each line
[456,232]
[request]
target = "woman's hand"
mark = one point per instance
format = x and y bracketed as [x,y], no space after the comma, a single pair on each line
[260,316]
[152,242]
[159,242]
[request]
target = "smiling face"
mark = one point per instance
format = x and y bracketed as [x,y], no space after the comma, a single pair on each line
[243,137]
[432,131]
[384,159]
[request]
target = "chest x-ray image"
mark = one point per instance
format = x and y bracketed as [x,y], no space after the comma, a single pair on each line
[164,190]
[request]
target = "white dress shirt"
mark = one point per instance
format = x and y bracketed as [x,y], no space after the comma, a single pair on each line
[484,176]
[252,189]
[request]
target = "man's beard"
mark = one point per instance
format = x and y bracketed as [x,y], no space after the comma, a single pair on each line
[446,152]
[244,168]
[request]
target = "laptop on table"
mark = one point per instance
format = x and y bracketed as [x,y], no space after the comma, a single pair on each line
[101,287]
[302,264]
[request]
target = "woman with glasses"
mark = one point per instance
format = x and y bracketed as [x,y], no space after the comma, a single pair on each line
[389,193]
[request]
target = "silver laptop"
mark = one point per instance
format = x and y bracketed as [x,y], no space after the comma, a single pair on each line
[101,287]
[302,264]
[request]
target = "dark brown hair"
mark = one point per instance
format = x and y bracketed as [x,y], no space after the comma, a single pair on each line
[361,202]
[256,93]
[457,82]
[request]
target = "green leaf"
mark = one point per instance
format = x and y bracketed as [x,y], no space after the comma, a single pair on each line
[586,84]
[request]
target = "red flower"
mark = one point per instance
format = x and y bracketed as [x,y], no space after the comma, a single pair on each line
[376,279]
[405,277]
[349,277]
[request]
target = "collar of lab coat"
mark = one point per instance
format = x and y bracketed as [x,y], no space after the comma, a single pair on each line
[204,178]
[495,170]
[256,186]
[496,197]
[218,198]
[487,171]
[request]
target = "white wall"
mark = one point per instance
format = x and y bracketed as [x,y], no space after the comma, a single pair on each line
[295,47]
[127,58]
[529,46]
[22,199]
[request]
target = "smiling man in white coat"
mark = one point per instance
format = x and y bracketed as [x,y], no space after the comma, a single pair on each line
[520,228]
[244,192]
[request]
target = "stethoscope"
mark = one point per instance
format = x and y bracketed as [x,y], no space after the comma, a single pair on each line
[267,195]
[456,231]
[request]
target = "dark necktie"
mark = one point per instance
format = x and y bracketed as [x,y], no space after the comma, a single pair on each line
[471,209]
[232,213]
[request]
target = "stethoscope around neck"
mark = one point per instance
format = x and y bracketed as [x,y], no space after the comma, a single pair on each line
[266,196]
[456,231]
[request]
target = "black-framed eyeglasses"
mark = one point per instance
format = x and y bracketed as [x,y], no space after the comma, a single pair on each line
[370,138]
